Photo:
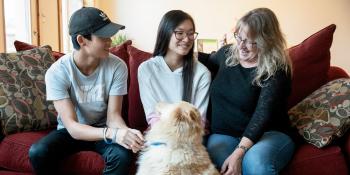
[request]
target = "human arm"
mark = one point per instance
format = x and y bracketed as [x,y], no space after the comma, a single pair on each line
[65,109]
[147,95]
[213,60]
[270,107]
[117,130]
[129,138]
[201,92]
[125,136]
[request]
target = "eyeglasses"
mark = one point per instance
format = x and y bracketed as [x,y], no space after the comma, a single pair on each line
[180,35]
[245,42]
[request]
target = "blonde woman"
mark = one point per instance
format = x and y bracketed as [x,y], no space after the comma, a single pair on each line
[249,99]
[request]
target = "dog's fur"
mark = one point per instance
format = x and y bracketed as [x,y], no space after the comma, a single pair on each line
[179,150]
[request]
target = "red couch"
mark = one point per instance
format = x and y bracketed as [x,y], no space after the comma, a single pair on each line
[311,60]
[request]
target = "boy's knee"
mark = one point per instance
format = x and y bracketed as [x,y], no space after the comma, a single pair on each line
[117,161]
[121,157]
[37,150]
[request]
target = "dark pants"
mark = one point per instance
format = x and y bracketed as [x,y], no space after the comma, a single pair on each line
[47,153]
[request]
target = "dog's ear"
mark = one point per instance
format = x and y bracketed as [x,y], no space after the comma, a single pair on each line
[177,115]
[194,115]
[196,120]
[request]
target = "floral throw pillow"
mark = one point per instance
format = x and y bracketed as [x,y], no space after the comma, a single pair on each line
[325,114]
[23,105]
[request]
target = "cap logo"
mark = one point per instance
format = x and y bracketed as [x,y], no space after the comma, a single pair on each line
[104,17]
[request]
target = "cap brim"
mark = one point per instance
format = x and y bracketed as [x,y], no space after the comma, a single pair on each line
[108,30]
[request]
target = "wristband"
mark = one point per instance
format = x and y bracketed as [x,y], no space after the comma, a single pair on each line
[245,149]
[107,141]
[114,138]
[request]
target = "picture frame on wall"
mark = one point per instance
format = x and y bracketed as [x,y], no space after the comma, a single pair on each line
[207,45]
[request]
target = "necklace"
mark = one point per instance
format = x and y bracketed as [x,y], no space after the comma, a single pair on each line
[83,88]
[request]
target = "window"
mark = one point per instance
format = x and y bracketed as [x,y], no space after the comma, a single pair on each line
[68,8]
[17,17]
[38,22]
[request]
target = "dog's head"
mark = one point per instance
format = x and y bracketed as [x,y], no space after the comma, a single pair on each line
[182,120]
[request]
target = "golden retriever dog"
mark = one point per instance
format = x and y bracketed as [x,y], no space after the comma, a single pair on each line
[174,144]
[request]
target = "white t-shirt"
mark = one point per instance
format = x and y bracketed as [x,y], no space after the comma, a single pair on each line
[89,94]
[158,83]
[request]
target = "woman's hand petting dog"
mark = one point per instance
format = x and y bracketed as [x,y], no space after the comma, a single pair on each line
[130,139]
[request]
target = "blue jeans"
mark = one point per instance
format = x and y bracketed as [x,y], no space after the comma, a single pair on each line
[268,156]
[46,155]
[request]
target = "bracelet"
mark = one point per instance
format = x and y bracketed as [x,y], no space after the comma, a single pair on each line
[107,141]
[114,138]
[245,149]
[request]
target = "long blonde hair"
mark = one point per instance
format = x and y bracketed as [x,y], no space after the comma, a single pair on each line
[264,28]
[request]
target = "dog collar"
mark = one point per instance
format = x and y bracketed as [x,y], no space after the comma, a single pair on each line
[157,143]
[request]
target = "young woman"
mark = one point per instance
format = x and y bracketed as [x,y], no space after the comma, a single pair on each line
[249,99]
[172,74]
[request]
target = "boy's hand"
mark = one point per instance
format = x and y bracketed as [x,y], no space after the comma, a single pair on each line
[130,139]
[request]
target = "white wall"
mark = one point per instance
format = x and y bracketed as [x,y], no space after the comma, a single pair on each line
[298,18]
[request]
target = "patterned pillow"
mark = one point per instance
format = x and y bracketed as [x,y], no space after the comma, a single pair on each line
[325,114]
[23,105]
[20,46]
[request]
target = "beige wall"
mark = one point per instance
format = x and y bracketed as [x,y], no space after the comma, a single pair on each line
[299,19]
[108,6]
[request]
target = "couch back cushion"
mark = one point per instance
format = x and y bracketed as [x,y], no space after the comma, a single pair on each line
[23,105]
[137,117]
[21,46]
[336,73]
[311,62]
[121,50]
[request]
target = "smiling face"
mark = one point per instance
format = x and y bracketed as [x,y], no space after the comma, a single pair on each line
[247,47]
[182,38]
[98,47]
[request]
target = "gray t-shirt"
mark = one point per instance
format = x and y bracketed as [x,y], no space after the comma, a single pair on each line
[89,94]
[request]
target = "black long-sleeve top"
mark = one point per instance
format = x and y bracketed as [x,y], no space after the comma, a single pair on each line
[240,108]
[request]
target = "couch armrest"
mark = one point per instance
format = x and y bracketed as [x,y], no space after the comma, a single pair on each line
[335,72]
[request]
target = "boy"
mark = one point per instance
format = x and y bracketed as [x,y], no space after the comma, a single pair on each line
[87,88]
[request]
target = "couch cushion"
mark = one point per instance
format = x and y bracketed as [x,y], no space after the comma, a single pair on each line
[121,51]
[311,61]
[84,162]
[21,46]
[335,73]
[4,172]
[137,117]
[14,155]
[325,114]
[14,150]
[311,160]
[23,104]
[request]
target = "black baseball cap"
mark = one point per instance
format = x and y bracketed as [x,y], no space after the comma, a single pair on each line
[90,20]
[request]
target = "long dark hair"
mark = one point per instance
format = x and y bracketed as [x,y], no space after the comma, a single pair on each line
[166,28]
